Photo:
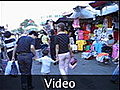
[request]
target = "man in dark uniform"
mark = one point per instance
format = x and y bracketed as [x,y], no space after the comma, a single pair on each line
[25,49]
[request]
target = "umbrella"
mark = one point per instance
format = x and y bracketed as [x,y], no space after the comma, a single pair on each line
[82,12]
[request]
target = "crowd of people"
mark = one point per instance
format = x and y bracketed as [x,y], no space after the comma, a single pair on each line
[60,45]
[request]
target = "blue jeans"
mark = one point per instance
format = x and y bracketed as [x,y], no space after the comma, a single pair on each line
[25,66]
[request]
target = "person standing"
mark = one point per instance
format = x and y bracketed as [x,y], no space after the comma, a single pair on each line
[63,51]
[9,43]
[52,45]
[25,49]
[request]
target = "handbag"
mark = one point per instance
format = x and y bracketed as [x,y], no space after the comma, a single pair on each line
[73,63]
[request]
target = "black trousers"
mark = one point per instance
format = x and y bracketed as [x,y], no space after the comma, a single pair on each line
[25,66]
[53,53]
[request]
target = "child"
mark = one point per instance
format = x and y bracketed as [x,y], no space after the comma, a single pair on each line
[46,62]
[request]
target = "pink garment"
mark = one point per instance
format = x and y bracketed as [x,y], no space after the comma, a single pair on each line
[92,48]
[76,23]
[80,34]
[115,51]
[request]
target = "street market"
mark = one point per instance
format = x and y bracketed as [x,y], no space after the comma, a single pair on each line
[89,37]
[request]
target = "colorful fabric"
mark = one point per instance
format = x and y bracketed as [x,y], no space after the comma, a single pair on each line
[101,58]
[80,34]
[86,35]
[76,23]
[115,51]
[87,47]
[98,47]
[80,44]
[102,54]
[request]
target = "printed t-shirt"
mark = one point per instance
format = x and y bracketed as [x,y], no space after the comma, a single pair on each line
[80,44]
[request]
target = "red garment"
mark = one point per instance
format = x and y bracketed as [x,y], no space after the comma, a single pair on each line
[116,35]
[88,51]
[93,28]
[86,35]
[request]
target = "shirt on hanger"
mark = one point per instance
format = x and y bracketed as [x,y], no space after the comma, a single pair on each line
[115,51]
[76,23]
[86,35]
[80,34]
[80,44]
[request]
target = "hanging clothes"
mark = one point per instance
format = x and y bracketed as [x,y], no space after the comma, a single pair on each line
[71,40]
[86,35]
[116,35]
[87,47]
[76,34]
[76,23]
[98,46]
[80,34]
[115,51]
[80,44]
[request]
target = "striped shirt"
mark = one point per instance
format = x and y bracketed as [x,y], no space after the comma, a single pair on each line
[10,43]
[62,39]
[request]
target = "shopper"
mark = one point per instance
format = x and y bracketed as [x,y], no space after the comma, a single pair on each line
[46,62]
[52,45]
[9,44]
[63,51]
[25,48]
[45,40]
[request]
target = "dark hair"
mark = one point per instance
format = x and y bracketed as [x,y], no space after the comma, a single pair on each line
[62,26]
[34,33]
[110,36]
[44,32]
[52,32]
[45,52]
[7,34]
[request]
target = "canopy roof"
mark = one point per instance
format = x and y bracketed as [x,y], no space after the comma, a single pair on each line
[82,13]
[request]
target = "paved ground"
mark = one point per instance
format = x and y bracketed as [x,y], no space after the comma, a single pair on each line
[84,67]
[91,79]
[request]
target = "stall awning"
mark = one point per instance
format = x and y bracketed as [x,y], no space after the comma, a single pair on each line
[82,13]
[98,5]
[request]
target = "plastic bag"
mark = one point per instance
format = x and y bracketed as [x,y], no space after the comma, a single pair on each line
[12,68]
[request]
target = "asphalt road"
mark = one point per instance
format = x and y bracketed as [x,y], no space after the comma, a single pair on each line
[88,75]
[84,67]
